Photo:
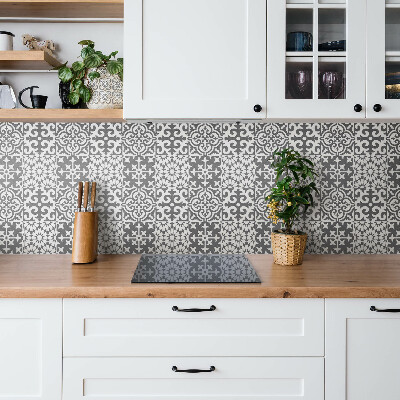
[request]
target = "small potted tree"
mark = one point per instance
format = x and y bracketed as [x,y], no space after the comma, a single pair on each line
[291,194]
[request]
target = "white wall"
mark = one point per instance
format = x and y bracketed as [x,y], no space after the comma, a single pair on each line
[107,36]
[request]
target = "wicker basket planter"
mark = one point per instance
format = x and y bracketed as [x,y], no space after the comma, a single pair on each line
[288,249]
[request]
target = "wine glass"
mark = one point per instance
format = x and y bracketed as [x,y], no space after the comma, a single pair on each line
[299,84]
[331,85]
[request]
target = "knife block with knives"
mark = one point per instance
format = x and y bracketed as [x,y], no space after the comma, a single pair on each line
[84,245]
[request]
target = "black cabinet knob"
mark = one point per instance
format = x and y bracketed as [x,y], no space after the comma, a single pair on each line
[257,108]
[377,107]
[358,108]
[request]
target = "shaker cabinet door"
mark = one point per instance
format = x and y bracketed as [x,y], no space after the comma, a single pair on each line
[316,58]
[195,59]
[362,349]
[383,59]
[30,349]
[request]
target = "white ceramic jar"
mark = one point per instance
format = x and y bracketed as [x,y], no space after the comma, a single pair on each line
[6,40]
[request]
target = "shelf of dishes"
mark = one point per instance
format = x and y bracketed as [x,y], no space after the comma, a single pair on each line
[315,50]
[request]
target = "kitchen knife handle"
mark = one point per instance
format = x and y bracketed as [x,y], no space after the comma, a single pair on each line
[389,310]
[175,308]
[93,195]
[86,195]
[193,371]
[80,189]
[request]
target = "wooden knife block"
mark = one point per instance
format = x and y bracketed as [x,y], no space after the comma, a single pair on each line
[84,245]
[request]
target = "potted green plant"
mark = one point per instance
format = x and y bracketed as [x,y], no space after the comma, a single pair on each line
[291,194]
[95,79]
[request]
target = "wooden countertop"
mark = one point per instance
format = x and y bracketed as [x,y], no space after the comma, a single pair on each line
[324,276]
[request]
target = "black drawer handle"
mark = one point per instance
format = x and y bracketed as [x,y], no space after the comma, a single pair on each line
[193,371]
[175,308]
[373,308]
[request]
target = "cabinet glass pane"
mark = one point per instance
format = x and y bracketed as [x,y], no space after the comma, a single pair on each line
[316,59]
[299,79]
[299,28]
[392,29]
[331,29]
[331,78]
[392,47]
[392,80]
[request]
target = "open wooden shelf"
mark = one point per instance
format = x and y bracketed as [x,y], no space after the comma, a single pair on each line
[60,115]
[62,9]
[27,60]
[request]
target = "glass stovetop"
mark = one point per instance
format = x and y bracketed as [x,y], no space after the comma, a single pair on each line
[194,268]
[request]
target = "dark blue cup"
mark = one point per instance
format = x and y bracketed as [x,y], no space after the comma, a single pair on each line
[299,41]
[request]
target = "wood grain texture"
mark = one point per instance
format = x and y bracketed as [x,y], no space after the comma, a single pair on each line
[80,190]
[62,8]
[55,114]
[93,195]
[85,195]
[84,245]
[320,276]
[26,60]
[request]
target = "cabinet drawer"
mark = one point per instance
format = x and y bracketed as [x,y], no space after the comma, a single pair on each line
[150,327]
[233,378]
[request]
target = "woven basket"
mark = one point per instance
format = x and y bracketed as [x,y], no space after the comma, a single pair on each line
[288,249]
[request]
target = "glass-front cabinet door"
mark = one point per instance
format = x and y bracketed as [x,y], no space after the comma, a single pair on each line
[316,58]
[383,58]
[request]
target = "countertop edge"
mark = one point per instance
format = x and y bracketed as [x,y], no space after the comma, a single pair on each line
[193,292]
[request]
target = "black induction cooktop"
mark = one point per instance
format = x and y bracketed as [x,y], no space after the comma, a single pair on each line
[194,268]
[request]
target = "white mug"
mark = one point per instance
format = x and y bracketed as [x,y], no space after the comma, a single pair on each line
[6,40]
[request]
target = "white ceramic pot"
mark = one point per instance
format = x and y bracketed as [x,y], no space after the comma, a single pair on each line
[106,90]
[6,41]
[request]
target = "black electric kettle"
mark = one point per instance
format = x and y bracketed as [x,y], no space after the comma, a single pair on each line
[38,101]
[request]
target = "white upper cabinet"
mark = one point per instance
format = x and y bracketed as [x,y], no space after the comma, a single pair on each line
[383,59]
[362,349]
[30,349]
[195,59]
[316,58]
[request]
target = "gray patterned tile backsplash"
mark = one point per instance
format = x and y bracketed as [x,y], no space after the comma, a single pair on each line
[195,187]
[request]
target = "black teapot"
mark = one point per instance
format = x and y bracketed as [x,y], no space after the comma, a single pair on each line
[38,101]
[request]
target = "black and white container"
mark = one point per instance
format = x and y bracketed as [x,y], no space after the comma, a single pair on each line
[6,40]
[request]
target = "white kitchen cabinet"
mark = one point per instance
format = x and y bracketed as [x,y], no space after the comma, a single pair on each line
[151,327]
[153,378]
[383,59]
[30,349]
[195,59]
[304,78]
[362,349]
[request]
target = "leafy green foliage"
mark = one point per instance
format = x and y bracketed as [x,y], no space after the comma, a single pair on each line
[65,74]
[76,84]
[86,43]
[78,66]
[73,98]
[114,67]
[293,188]
[84,93]
[93,75]
[86,52]
[91,59]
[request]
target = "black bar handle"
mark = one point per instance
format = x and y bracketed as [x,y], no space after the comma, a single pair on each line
[193,371]
[394,310]
[175,308]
